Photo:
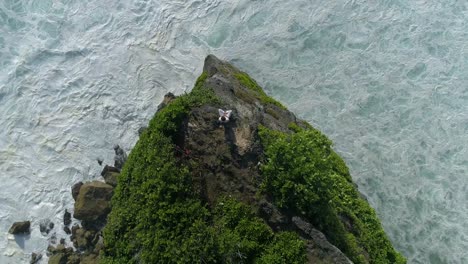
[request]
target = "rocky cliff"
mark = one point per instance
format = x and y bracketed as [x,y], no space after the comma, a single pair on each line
[261,187]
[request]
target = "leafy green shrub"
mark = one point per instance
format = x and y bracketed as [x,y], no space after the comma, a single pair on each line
[303,174]
[285,249]
[245,238]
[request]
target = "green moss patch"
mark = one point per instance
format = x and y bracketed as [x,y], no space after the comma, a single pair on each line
[251,84]
[304,175]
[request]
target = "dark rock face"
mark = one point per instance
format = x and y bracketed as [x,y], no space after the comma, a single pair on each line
[20,228]
[93,201]
[108,169]
[120,157]
[76,189]
[233,163]
[66,218]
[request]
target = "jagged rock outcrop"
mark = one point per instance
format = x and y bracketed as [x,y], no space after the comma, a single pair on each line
[19,228]
[231,168]
[190,178]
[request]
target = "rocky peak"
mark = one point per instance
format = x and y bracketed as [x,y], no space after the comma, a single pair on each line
[230,153]
[189,171]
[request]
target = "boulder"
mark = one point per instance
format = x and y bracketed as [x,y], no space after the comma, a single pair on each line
[76,189]
[20,228]
[93,201]
[108,169]
[111,178]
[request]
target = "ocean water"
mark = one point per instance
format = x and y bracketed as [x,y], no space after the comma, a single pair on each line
[387,81]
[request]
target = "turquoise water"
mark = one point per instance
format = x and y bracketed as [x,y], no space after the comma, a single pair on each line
[386,80]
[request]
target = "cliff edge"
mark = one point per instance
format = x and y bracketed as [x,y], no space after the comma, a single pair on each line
[261,187]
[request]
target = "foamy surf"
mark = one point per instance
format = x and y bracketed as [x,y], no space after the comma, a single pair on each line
[386,81]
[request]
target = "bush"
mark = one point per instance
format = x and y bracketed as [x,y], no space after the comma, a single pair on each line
[304,175]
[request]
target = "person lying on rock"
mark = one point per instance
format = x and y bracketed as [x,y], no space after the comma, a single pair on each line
[224,115]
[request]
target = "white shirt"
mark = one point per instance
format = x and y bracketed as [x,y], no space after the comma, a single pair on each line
[224,115]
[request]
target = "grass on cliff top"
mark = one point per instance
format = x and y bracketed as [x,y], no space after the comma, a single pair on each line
[304,175]
[251,84]
[156,217]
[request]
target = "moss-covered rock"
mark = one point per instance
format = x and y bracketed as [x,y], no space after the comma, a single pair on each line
[60,258]
[262,188]
[93,201]
[19,228]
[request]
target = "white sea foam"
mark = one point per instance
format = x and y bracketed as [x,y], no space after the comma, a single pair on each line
[386,81]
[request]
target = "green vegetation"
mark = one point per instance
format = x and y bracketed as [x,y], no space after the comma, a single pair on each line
[200,80]
[304,175]
[157,218]
[251,84]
